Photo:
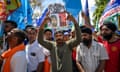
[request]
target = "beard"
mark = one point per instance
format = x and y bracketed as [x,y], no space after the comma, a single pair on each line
[107,36]
[59,41]
[86,42]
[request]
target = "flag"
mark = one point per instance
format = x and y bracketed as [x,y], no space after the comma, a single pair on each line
[3,13]
[22,15]
[112,9]
[29,13]
[73,6]
[40,20]
[85,7]
[85,12]
[1,29]
[12,5]
[3,16]
[7,7]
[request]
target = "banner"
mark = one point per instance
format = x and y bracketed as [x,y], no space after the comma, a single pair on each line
[112,9]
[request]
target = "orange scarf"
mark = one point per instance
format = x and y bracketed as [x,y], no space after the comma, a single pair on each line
[46,65]
[7,55]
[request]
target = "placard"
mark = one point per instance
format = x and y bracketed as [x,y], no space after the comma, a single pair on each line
[54,20]
[59,20]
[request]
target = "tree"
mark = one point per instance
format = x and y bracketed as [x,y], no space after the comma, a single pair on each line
[100,6]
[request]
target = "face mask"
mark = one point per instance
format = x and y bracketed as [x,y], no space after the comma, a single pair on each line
[86,42]
[107,36]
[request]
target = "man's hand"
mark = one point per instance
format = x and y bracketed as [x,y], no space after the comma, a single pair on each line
[79,66]
[71,18]
[46,20]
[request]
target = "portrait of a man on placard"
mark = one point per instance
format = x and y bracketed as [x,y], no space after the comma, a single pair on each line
[54,20]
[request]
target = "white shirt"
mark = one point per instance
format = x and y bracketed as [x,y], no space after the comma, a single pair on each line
[34,55]
[18,62]
[47,53]
[90,57]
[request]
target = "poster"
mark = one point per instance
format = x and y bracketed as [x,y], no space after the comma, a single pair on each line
[59,20]
[63,19]
[54,21]
[58,16]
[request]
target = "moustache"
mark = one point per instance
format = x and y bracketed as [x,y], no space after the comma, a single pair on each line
[58,39]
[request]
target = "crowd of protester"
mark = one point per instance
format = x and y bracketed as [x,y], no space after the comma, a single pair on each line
[42,50]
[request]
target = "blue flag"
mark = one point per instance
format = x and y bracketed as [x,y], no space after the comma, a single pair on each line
[85,8]
[1,29]
[85,12]
[40,20]
[112,8]
[23,15]
[73,6]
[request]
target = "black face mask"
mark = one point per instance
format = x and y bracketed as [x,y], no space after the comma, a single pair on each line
[107,36]
[87,42]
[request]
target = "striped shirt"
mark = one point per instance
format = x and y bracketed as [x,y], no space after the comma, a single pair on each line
[90,57]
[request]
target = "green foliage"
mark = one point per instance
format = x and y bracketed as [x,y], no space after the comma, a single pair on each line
[100,6]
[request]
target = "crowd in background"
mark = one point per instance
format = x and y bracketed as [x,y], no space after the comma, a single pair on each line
[42,50]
